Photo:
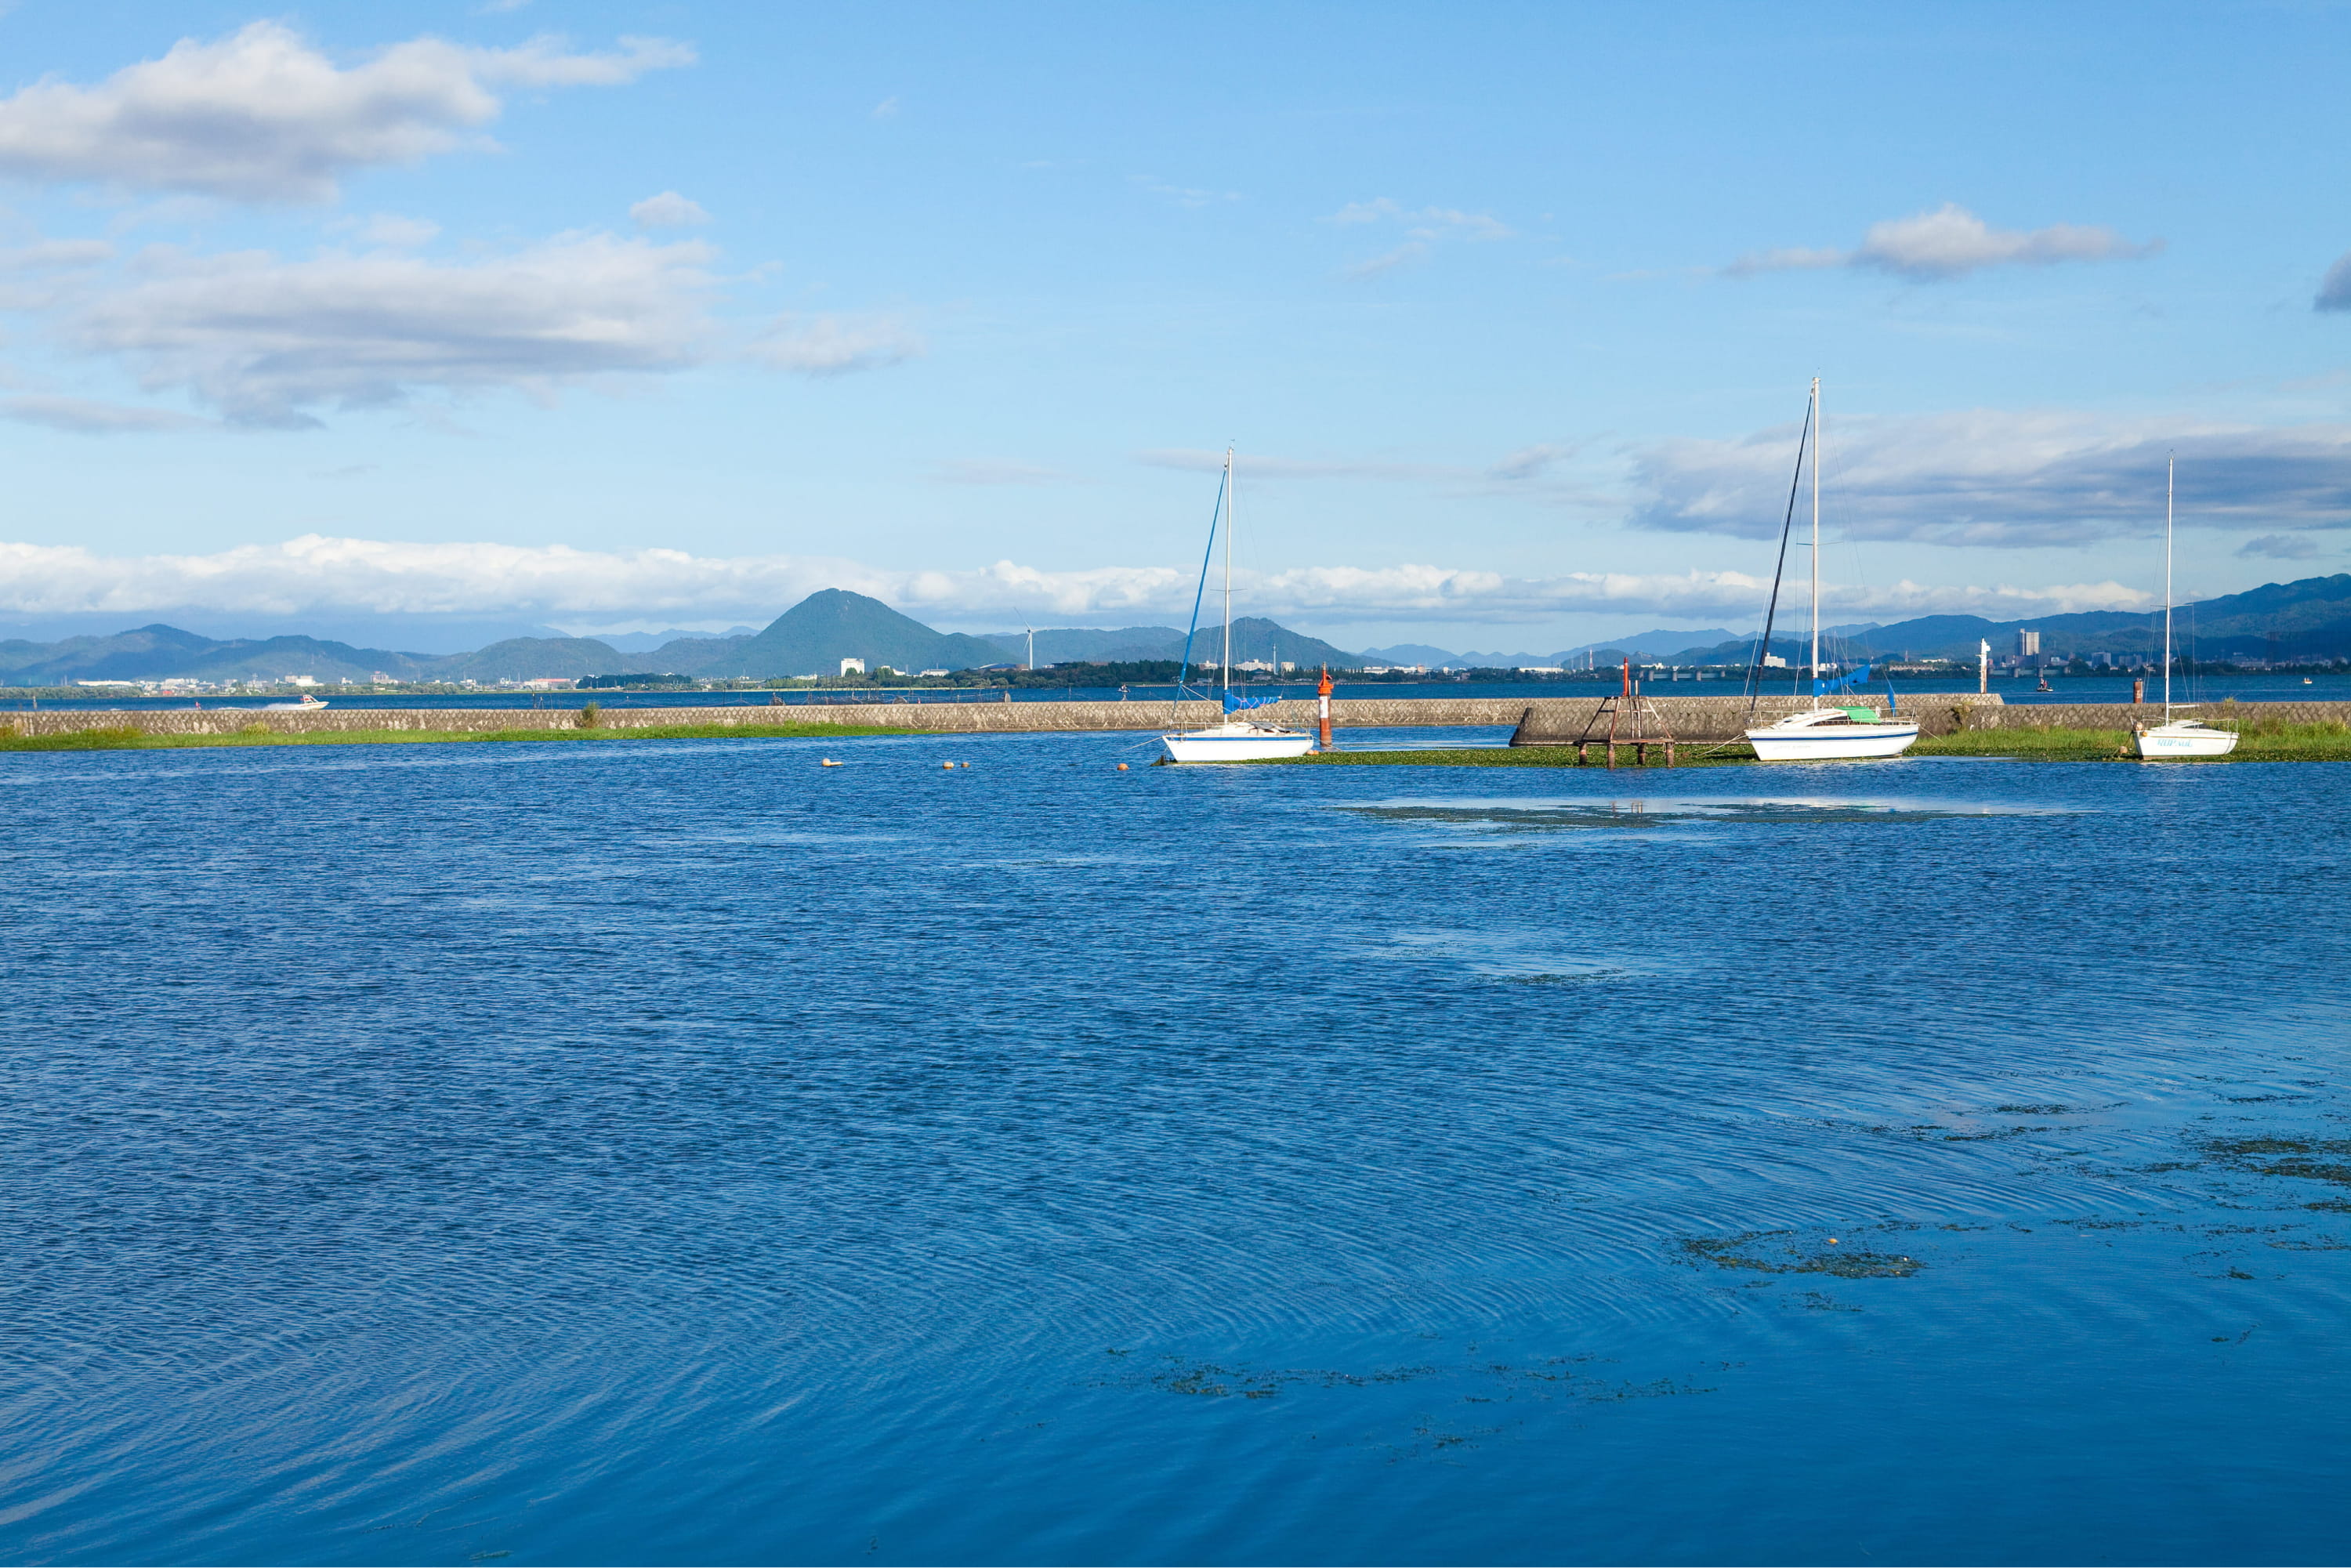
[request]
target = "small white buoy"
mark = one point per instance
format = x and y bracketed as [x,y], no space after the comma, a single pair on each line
[827,762]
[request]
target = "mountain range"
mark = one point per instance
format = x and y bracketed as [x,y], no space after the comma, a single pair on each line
[1254,638]
[2307,619]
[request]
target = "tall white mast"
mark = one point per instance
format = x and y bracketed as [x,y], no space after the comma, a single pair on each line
[2170,463]
[1227,667]
[1816,527]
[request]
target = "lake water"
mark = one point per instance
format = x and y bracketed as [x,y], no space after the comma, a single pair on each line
[686,1154]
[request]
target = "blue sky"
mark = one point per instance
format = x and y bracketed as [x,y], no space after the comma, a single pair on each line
[637,316]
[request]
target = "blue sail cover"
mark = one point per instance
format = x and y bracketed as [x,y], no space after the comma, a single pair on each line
[1842,684]
[1235,702]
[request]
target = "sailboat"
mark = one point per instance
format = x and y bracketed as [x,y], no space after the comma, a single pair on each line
[1826,732]
[2186,736]
[1237,739]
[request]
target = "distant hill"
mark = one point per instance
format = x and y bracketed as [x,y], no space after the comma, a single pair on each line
[529,658]
[645,642]
[813,636]
[153,653]
[2308,618]
[1253,637]
[1256,638]
[1415,654]
[1640,644]
[1072,644]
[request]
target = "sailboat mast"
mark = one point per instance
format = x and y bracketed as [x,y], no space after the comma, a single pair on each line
[2169,463]
[1816,527]
[1227,667]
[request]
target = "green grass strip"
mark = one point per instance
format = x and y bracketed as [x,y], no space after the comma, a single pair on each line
[2258,742]
[130,738]
[1687,754]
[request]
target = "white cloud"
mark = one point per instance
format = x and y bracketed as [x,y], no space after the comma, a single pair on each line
[396,233]
[836,345]
[263,116]
[1424,228]
[1254,465]
[992,471]
[1405,255]
[2280,547]
[319,575]
[265,339]
[668,211]
[1184,196]
[1529,462]
[1951,242]
[56,255]
[2001,479]
[83,416]
[2335,289]
[886,110]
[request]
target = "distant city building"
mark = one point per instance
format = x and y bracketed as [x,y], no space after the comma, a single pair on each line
[927,674]
[852,666]
[550,684]
[1773,662]
[2028,643]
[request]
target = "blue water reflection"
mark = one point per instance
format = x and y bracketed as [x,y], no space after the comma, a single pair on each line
[686,1154]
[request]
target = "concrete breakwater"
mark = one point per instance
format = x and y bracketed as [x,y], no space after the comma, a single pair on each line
[1692,717]
[1697,718]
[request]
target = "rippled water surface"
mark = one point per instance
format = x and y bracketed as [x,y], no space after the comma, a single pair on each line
[643,1153]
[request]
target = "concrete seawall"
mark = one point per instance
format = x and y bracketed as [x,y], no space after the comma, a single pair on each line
[1701,718]
[1697,717]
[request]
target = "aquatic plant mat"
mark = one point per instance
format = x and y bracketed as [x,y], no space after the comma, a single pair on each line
[1514,817]
[130,738]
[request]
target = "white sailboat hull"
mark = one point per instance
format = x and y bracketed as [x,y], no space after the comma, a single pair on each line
[1237,743]
[2187,737]
[1810,737]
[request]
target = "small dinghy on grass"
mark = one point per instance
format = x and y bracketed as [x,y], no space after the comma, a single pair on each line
[1832,733]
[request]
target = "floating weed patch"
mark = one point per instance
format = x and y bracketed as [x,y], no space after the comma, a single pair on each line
[1519,817]
[1999,1134]
[2313,1159]
[1937,1133]
[1210,1380]
[2028,1111]
[1814,1301]
[1784,1252]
